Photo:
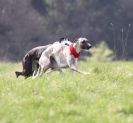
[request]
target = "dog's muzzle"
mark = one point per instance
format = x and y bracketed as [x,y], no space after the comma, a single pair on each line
[86,46]
[89,46]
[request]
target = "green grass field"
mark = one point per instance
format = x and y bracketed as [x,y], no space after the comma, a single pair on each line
[104,96]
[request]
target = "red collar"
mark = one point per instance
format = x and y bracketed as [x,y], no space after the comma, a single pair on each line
[73,51]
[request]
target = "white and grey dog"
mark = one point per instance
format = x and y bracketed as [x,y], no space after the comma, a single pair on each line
[63,56]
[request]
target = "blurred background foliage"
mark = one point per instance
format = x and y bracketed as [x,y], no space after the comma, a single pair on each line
[25,24]
[101,52]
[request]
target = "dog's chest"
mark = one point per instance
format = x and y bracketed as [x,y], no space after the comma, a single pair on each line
[64,57]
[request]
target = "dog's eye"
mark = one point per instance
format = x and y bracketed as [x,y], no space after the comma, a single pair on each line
[83,41]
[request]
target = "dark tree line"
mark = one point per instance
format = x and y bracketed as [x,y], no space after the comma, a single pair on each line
[25,24]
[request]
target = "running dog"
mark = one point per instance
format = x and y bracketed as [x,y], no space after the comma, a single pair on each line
[30,60]
[64,56]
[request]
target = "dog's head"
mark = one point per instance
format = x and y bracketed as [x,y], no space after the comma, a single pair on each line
[65,41]
[84,43]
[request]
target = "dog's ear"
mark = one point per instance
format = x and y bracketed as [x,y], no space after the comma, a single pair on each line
[61,39]
[75,40]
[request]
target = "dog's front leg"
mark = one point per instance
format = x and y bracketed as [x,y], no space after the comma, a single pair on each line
[74,67]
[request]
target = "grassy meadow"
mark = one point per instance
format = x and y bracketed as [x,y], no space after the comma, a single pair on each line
[104,96]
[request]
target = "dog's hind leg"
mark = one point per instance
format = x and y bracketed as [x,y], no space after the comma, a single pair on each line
[35,67]
[43,67]
[38,72]
[54,66]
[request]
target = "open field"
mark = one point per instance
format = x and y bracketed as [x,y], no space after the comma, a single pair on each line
[104,96]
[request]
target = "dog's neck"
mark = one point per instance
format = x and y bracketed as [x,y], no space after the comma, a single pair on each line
[75,50]
[77,47]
